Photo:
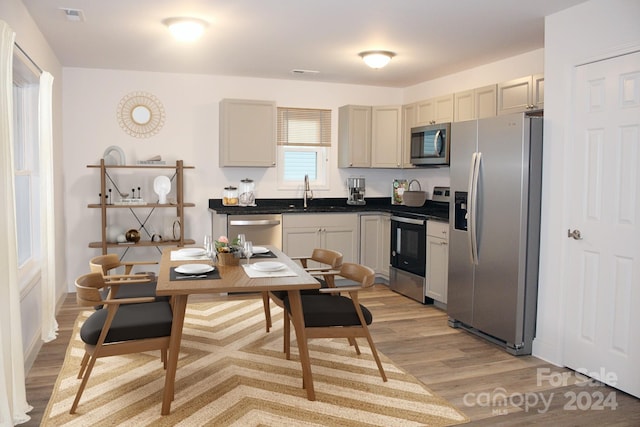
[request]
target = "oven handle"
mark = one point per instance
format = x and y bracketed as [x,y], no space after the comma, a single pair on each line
[254,222]
[408,220]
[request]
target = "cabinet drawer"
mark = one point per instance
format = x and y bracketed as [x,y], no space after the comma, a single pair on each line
[438,229]
[320,220]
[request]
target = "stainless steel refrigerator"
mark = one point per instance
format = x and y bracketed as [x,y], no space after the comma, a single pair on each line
[496,167]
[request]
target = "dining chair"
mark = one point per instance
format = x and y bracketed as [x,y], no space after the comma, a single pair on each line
[328,314]
[107,264]
[121,326]
[326,260]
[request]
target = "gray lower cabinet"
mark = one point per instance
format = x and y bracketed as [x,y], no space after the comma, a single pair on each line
[375,237]
[437,260]
[302,233]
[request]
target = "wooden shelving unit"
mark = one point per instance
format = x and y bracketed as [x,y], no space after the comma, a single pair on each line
[178,179]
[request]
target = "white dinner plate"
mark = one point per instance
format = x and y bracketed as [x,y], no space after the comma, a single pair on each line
[260,250]
[194,268]
[268,266]
[192,252]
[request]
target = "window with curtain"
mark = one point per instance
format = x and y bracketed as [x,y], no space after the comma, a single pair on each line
[304,139]
[25,144]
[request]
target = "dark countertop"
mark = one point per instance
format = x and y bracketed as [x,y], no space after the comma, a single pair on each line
[430,209]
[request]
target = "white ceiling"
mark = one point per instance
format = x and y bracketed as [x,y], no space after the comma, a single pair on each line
[270,38]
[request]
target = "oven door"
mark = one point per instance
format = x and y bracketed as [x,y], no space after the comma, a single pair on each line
[408,244]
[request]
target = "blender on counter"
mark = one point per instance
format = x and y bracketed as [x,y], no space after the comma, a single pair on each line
[247,192]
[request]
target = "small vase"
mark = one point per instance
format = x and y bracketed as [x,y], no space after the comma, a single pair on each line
[227,258]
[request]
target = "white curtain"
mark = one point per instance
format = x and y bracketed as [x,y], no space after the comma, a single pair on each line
[13,401]
[47,216]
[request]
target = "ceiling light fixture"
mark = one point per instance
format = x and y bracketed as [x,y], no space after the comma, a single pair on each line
[376,58]
[186,29]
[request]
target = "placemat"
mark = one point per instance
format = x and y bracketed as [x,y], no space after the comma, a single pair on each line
[173,275]
[264,255]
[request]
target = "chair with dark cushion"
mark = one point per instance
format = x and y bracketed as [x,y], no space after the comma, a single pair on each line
[331,315]
[323,260]
[121,326]
[107,264]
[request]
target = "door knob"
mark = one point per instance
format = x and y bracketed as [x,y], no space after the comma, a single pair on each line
[575,234]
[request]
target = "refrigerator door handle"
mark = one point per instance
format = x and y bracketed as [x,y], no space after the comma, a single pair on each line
[474,174]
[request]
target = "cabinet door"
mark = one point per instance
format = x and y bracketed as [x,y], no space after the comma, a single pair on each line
[538,90]
[247,133]
[299,242]
[486,101]
[425,112]
[464,106]
[437,260]
[354,136]
[342,239]
[437,268]
[443,109]
[515,95]
[409,120]
[375,242]
[386,137]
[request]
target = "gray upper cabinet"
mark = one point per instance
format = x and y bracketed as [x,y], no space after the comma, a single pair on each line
[354,136]
[247,133]
[476,103]
[435,110]
[526,93]
[386,137]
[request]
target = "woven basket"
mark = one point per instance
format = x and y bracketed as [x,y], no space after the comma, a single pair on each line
[227,258]
[414,198]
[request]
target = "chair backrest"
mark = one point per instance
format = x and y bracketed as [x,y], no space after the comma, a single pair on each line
[88,289]
[327,256]
[358,273]
[104,263]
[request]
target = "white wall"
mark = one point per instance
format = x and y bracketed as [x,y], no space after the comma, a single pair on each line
[495,72]
[591,31]
[29,37]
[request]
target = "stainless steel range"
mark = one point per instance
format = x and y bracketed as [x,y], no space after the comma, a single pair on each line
[408,256]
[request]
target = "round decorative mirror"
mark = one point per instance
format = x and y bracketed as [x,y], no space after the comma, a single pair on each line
[140,114]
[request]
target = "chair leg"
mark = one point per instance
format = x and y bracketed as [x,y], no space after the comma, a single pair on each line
[374,352]
[83,384]
[267,310]
[83,364]
[354,343]
[287,335]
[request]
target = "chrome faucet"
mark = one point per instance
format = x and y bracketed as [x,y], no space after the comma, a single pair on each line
[308,194]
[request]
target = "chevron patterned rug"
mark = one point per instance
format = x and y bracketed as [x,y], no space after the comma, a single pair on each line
[232,373]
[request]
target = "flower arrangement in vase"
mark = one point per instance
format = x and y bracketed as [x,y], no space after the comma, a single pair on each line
[227,251]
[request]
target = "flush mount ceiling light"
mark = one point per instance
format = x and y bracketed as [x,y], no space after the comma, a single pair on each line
[186,29]
[376,58]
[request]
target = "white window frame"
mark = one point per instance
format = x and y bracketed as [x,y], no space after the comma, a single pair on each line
[322,171]
[25,134]
[321,148]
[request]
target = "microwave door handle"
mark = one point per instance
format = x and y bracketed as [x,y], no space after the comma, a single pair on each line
[437,145]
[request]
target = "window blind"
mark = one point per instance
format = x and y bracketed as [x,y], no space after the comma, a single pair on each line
[304,127]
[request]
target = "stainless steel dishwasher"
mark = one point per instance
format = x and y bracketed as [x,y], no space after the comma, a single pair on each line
[260,229]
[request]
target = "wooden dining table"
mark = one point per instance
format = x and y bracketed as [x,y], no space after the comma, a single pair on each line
[232,279]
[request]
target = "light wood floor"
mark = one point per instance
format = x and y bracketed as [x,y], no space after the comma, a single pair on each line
[467,371]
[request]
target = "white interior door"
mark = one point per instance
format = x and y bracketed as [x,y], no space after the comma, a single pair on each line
[602,335]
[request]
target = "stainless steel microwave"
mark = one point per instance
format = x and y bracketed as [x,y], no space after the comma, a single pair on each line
[430,145]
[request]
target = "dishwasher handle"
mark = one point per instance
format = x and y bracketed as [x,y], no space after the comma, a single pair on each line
[254,222]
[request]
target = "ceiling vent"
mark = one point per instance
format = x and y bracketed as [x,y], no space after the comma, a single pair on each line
[74,15]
